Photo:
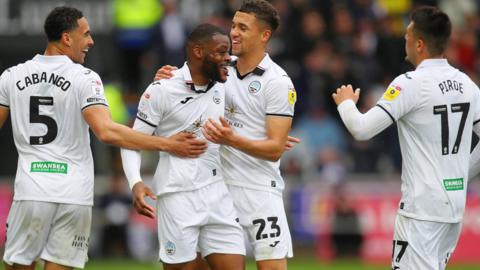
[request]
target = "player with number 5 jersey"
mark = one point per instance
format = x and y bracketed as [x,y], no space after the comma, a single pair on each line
[53,100]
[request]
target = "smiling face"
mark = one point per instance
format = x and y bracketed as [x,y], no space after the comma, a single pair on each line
[247,33]
[79,41]
[217,58]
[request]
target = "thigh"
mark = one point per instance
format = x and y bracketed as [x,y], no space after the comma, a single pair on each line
[447,247]
[226,261]
[67,243]
[262,215]
[222,234]
[418,244]
[28,226]
[180,216]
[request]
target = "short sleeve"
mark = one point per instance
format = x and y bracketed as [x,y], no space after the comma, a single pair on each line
[400,97]
[91,90]
[280,97]
[152,104]
[4,100]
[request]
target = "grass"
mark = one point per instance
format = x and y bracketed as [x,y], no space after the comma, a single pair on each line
[298,263]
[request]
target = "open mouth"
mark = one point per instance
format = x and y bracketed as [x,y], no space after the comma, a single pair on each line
[224,69]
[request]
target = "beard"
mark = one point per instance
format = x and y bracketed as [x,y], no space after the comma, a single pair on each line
[211,70]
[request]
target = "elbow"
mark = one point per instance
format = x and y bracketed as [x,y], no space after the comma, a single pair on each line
[106,135]
[276,154]
[274,158]
[361,136]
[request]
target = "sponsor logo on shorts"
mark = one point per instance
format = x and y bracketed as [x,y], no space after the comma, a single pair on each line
[49,167]
[453,184]
[274,244]
[170,248]
[80,242]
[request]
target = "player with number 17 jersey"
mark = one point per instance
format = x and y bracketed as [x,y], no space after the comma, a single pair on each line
[435,108]
[45,96]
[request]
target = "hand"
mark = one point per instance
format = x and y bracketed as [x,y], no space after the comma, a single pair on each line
[346,92]
[219,133]
[164,72]
[184,144]
[291,141]
[140,190]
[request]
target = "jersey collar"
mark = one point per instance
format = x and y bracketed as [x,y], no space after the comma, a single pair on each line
[433,62]
[52,58]
[258,70]
[187,76]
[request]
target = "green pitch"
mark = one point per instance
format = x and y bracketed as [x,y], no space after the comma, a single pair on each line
[304,263]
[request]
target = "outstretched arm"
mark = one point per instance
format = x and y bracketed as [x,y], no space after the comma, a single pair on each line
[99,119]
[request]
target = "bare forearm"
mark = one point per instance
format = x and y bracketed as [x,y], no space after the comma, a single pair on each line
[125,137]
[3,115]
[264,149]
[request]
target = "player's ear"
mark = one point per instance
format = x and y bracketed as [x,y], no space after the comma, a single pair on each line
[266,35]
[198,51]
[66,39]
[420,45]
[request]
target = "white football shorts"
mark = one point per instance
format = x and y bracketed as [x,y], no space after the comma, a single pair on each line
[426,245]
[54,232]
[202,220]
[262,216]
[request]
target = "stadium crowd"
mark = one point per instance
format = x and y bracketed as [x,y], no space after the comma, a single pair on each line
[321,45]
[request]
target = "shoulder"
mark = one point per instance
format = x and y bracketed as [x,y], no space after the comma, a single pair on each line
[406,80]
[278,78]
[85,75]
[19,68]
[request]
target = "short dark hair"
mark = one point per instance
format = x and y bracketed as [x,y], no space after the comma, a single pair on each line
[262,10]
[204,33]
[433,26]
[61,20]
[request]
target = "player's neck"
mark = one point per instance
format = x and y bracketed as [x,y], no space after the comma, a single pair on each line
[197,75]
[248,62]
[52,50]
[427,57]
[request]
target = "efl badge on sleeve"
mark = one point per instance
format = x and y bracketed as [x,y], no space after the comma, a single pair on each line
[292,96]
[392,92]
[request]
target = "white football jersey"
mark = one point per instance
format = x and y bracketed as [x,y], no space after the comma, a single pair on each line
[175,105]
[435,108]
[46,96]
[249,99]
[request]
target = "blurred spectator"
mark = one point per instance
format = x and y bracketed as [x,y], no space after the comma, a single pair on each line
[115,205]
[173,35]
[323,140]
[346,231]
[135,23]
